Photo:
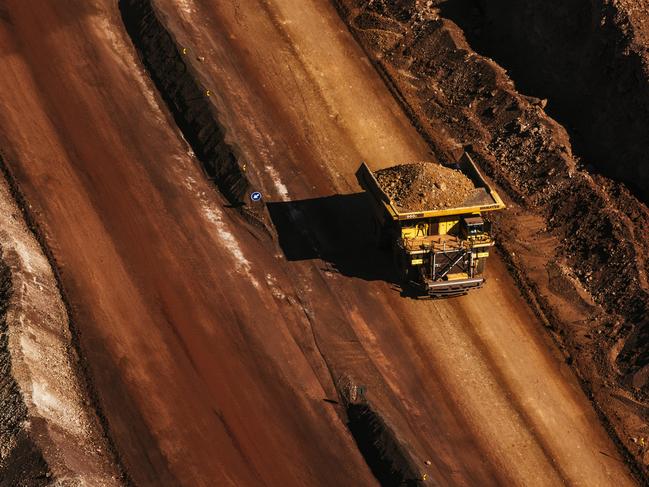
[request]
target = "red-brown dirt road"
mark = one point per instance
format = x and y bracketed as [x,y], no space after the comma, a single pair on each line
[211,352]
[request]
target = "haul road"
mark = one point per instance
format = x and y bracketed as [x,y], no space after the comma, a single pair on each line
[211,352]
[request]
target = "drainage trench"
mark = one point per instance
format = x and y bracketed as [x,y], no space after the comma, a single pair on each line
[579,55]
[188,101]
[384,454]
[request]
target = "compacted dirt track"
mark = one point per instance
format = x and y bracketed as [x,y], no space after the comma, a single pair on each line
[198,386]
[212,346]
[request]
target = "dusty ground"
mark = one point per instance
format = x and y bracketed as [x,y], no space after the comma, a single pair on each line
[577,240]
[48,432]
[424,185]
[166,301]
[291,168]
[215,347]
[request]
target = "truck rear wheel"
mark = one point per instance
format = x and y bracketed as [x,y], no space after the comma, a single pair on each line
[382,236]
[401,265]
[479,268]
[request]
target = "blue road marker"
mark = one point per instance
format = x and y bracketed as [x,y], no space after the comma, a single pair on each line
[255,196]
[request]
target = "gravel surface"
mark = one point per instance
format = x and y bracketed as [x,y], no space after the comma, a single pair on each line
[424,186]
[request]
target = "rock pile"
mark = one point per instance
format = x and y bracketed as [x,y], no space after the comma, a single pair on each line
[424,186]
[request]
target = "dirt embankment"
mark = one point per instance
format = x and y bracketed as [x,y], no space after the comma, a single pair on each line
[21,461]
[588,58]
[49,435]
[580,239]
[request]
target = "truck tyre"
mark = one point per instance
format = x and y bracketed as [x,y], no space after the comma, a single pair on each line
[382,236]
[403,271]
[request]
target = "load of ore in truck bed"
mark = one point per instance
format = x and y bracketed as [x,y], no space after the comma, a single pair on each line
[424,186]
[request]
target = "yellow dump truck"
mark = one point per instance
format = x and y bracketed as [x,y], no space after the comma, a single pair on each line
[438,252]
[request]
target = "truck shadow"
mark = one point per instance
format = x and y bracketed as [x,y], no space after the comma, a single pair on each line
[338,229]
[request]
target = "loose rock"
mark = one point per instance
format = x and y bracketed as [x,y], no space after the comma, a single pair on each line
[423,186]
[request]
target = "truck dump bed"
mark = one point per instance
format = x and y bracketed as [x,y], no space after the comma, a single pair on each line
[483,198]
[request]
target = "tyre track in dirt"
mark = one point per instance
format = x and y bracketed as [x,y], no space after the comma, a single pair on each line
[168,287]
[252,99]
[194,388]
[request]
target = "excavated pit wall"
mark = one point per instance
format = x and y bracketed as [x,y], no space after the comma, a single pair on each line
[589,61]
[460,100]
[50,433]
